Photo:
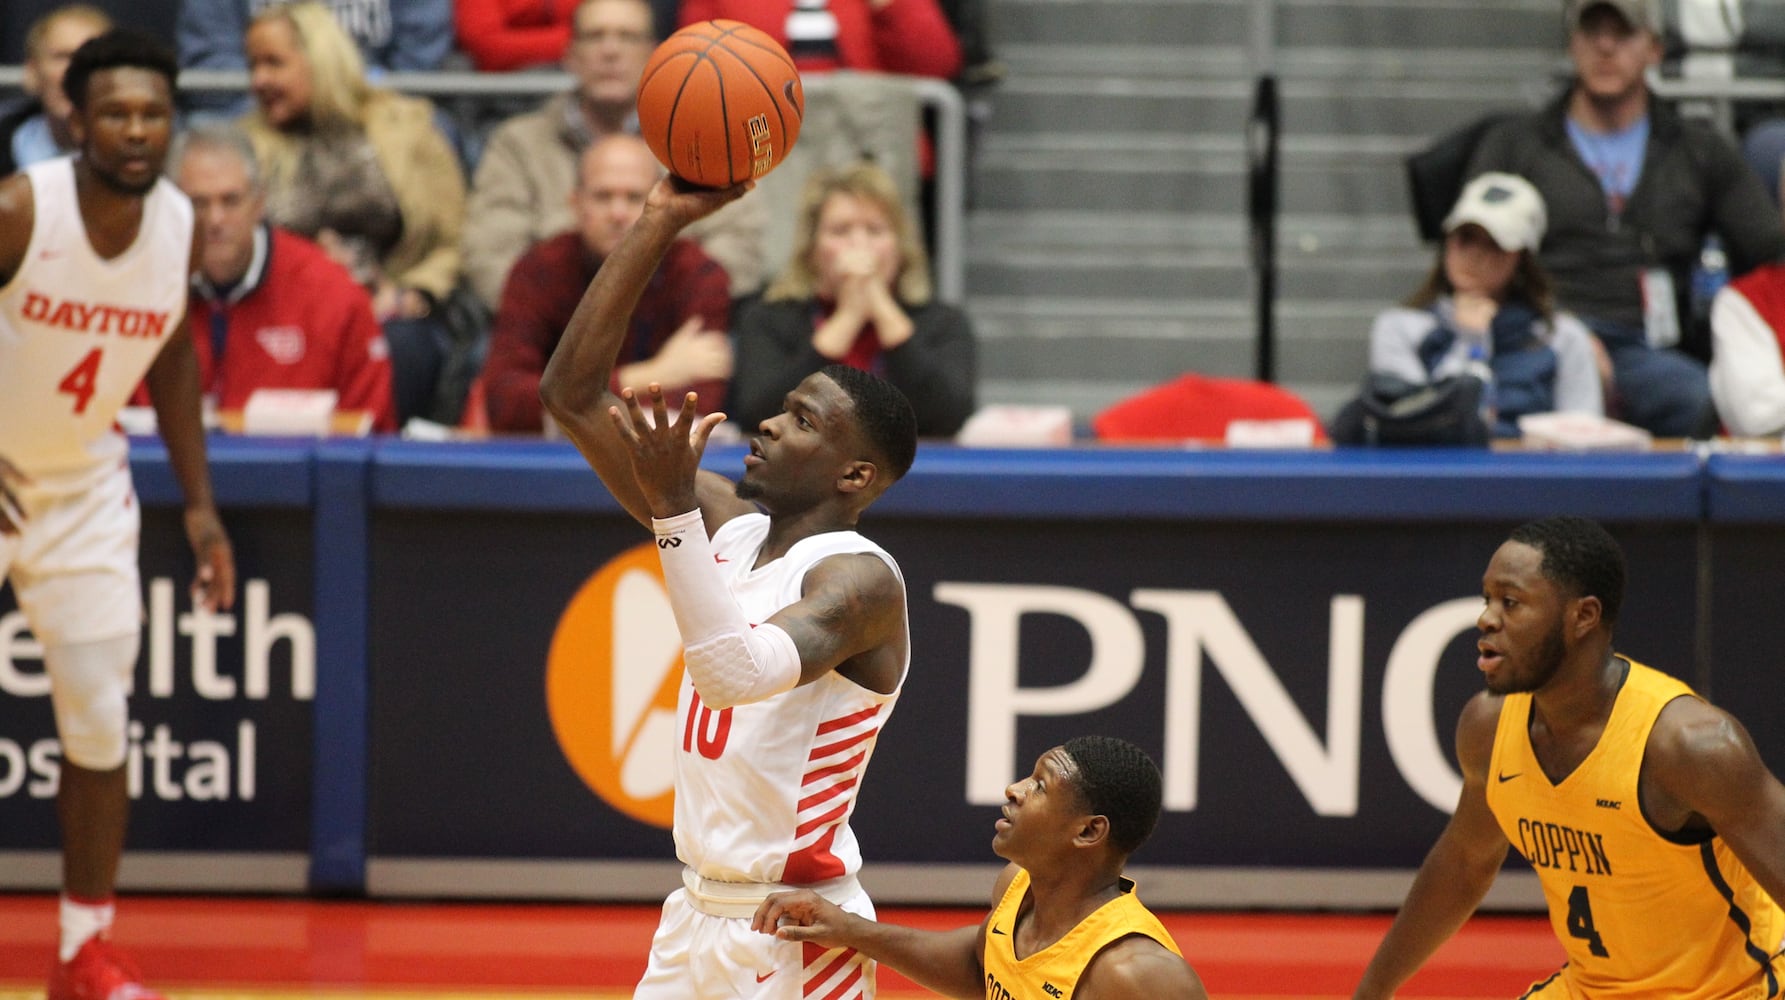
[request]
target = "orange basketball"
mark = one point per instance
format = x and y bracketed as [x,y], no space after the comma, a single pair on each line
[720,103]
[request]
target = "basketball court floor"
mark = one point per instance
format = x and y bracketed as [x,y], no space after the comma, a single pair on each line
[232,948]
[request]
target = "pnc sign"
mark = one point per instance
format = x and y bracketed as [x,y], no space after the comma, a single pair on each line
[611,676]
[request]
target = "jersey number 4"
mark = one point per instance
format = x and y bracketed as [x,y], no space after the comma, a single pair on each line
[705,731]
[81,380]
[1580,922]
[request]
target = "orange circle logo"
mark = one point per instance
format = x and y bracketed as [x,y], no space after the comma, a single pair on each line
[610,686]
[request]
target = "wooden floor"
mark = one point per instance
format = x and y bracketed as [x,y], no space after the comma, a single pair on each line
[225,948]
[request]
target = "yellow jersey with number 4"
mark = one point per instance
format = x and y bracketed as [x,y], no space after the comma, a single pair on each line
[1053,972]
[1640,913]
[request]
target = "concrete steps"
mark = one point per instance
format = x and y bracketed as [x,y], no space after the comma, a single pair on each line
[1108,247]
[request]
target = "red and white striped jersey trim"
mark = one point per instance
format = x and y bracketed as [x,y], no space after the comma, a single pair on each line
[835,974]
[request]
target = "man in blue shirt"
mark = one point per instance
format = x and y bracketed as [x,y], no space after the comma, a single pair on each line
[1633,190]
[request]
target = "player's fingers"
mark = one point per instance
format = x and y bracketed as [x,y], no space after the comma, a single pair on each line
[9,471]
[635,410]
[796,932]
[223,587]
[697,439]
[768,915]
[689,411]
[659,406]
[623,422]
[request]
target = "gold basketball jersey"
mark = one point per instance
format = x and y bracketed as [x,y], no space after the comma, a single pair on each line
[1638,912]
[1053,972]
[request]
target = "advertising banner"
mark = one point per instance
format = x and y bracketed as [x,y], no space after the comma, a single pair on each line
[1298,683]
[219,752]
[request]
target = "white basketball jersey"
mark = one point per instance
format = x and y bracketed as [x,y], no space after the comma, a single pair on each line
[77,332]
[764,791]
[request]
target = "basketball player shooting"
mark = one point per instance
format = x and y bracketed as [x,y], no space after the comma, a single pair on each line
[794,628]
[95,252]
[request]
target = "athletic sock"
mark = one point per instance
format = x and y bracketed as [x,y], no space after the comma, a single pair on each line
[82,920]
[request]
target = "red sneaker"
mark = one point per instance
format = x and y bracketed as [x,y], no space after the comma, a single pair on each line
[99,972]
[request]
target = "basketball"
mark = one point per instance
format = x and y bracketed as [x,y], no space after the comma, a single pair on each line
[720,103]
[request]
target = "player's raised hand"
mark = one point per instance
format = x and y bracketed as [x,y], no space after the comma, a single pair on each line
[801,915]
[682,203]
[12,512]
[665,451]
[214,585]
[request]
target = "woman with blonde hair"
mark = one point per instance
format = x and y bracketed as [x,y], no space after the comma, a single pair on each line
[364,172]
[856,291]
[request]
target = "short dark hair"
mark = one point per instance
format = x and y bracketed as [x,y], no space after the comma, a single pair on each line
[117,47]
[1119,781]
[1579,556]
[883,414]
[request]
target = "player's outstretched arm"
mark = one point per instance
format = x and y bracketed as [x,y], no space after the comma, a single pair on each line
[945,962]
[1700,759]
[1457,871]
[173,382]
[574,387]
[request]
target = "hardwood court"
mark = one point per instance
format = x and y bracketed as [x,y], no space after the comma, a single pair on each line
[224,948]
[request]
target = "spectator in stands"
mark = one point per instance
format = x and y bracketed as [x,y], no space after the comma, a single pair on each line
[500,35]
[1632,190]
[37,129]
[856,292]
[677,337]
[268,307]
[887,36]
[400,35]
[1748,355]
[522,192]
[363,172]
[1487,300]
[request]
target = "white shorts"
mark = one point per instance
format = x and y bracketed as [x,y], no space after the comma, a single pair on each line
[697,956]
[73,566]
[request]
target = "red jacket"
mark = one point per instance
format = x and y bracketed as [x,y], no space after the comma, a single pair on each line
[542,292]
[905,36]
[513,34]
[302,322]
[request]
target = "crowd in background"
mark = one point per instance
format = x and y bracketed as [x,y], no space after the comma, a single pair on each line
[469,251]
[1575,285]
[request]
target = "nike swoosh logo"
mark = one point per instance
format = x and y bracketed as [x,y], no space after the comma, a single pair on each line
[1504,778]
[763,977]
[996,930]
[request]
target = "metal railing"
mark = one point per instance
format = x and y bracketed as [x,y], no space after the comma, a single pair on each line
[938,95]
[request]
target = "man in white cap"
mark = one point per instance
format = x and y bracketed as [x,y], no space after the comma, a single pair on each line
[1632,190]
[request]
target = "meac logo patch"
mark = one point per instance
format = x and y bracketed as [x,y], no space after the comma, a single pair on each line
[611,678]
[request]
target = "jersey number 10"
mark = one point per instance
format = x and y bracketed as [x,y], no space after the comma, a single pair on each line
[705,731]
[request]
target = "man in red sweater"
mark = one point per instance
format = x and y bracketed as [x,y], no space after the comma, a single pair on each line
[269,309]
[678,337]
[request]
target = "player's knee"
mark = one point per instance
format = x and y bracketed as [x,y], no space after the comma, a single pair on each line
[90,687]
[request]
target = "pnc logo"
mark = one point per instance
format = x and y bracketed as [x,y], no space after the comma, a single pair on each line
[610,686]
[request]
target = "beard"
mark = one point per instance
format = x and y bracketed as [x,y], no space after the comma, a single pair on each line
[1545,662]
[747,490]
[116,183]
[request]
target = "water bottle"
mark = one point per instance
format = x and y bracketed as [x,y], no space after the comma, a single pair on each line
[1710,275]
[1478,366]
